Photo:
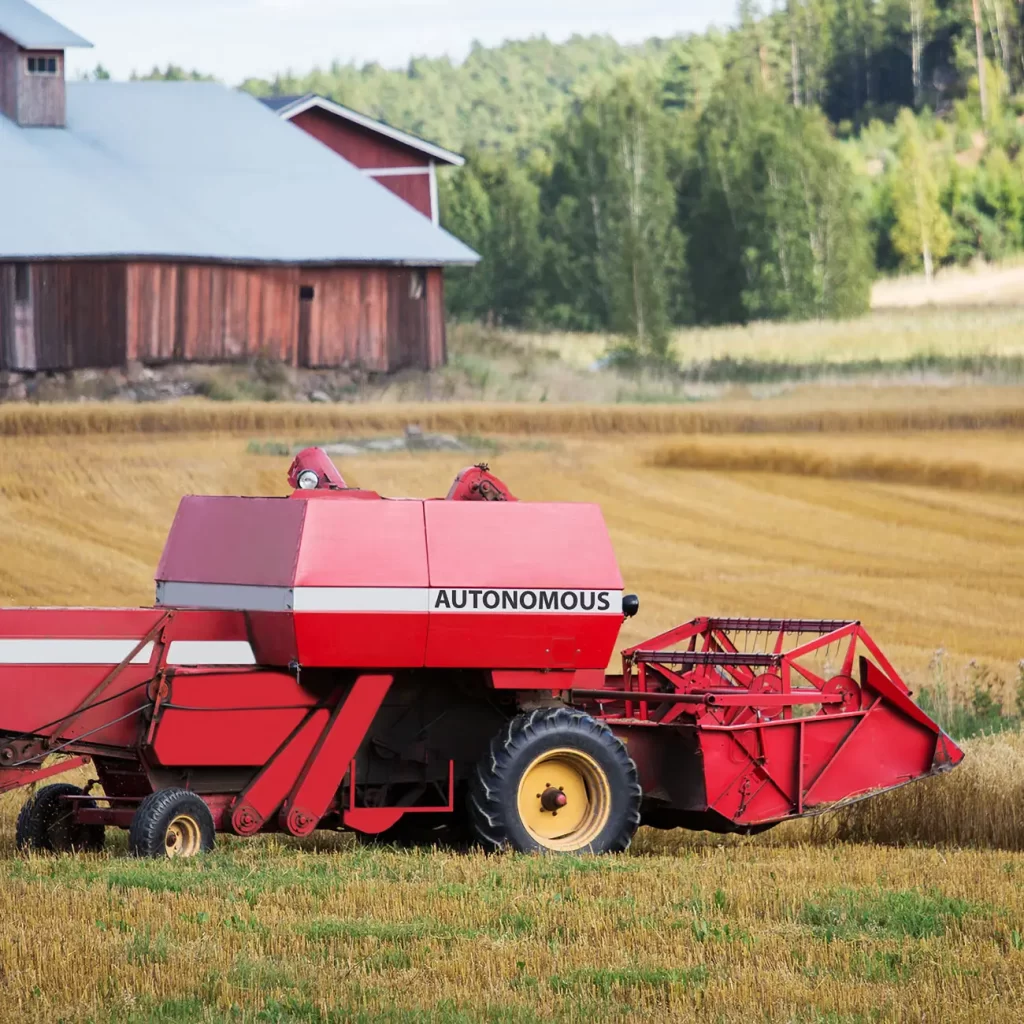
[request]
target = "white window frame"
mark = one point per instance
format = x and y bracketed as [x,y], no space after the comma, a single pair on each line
[46,73]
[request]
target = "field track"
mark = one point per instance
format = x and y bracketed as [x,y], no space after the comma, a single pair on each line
[807,410]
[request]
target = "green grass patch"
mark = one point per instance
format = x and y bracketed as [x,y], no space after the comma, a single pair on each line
[328,929]
[145,947]
[876,913]
[890,967]
[611,981]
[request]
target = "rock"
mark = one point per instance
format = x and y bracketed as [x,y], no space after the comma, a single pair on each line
[319,396]
[446,442]
[386,444]
[133,371]
[340,448]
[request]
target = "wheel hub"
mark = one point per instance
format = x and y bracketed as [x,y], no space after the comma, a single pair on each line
[552,799]
[564,799]
[183,837]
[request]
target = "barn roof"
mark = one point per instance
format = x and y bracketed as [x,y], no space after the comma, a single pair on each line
[33,30]
[290,106]
[196,170]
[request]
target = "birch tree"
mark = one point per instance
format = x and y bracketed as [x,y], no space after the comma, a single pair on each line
[922,233]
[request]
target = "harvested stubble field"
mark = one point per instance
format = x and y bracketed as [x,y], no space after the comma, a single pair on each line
[824,921]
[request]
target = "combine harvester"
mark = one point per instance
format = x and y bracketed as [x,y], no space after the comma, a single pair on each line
[420,670]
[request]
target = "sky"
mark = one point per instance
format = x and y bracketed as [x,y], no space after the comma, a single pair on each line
[236,39]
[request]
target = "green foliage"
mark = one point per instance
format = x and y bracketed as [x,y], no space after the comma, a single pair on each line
[698,179]
[614,252]
[774,226]
[922,233]
[871,913]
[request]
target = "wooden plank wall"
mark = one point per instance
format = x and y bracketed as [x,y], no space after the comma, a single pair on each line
[10,54]
[208,313]
[76,317]
[152,311]
[349,317]
[102,314]
[7,358]
[41,97]
[437,331]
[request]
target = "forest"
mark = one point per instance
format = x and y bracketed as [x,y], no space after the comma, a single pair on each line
[769,170]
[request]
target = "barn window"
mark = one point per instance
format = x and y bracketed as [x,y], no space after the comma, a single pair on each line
[417,284]
[42,65]
[22,283]
[307,292]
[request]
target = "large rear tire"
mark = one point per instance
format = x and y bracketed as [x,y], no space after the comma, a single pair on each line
[46,822]
[171,823]
[555,780]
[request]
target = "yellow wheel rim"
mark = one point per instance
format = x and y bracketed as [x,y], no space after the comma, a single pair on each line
[183,837]
[564,799]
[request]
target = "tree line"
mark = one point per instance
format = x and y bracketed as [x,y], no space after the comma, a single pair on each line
[767,171]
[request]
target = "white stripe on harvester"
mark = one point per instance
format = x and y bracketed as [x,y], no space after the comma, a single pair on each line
[230,596]
[45,651]
[210,652]
[360,599]
[112,652]
[381,600]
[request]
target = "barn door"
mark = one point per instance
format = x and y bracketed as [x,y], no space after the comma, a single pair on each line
[306,296]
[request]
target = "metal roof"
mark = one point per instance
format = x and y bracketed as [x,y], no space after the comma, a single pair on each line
[197,170]
[290,106]
[33,30]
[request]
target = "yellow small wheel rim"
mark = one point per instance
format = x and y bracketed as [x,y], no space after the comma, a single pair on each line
[183,837]
[575,821]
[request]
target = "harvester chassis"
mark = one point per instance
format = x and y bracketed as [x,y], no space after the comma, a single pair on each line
[314,713]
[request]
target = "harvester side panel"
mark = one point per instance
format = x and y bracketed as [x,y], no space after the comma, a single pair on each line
[203,708]
[521,585]
[52,659]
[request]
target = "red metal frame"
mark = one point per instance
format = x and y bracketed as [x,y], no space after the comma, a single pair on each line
[374,820]
[778,737]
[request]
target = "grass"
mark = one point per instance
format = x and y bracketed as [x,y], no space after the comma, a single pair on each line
[905,907]
[889,341]
[786,931]
[951,346]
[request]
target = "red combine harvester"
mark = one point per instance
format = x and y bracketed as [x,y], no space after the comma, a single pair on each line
[413,670]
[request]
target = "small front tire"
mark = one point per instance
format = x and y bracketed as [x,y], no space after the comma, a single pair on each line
[46,822]
[171,823]
[556,780]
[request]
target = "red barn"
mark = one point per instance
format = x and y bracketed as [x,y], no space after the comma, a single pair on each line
[164,221]
[400,161]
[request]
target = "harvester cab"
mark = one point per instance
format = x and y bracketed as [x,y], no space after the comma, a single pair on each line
[430,670]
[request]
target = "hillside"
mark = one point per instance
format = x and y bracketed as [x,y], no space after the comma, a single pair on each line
[504,97]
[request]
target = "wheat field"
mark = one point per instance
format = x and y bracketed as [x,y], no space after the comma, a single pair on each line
[911,908]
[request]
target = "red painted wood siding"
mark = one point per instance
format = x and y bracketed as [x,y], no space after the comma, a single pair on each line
[370,151]
[413,188]
[89,313]
[211,313]
[358,316]
[383,319]
[358,145]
